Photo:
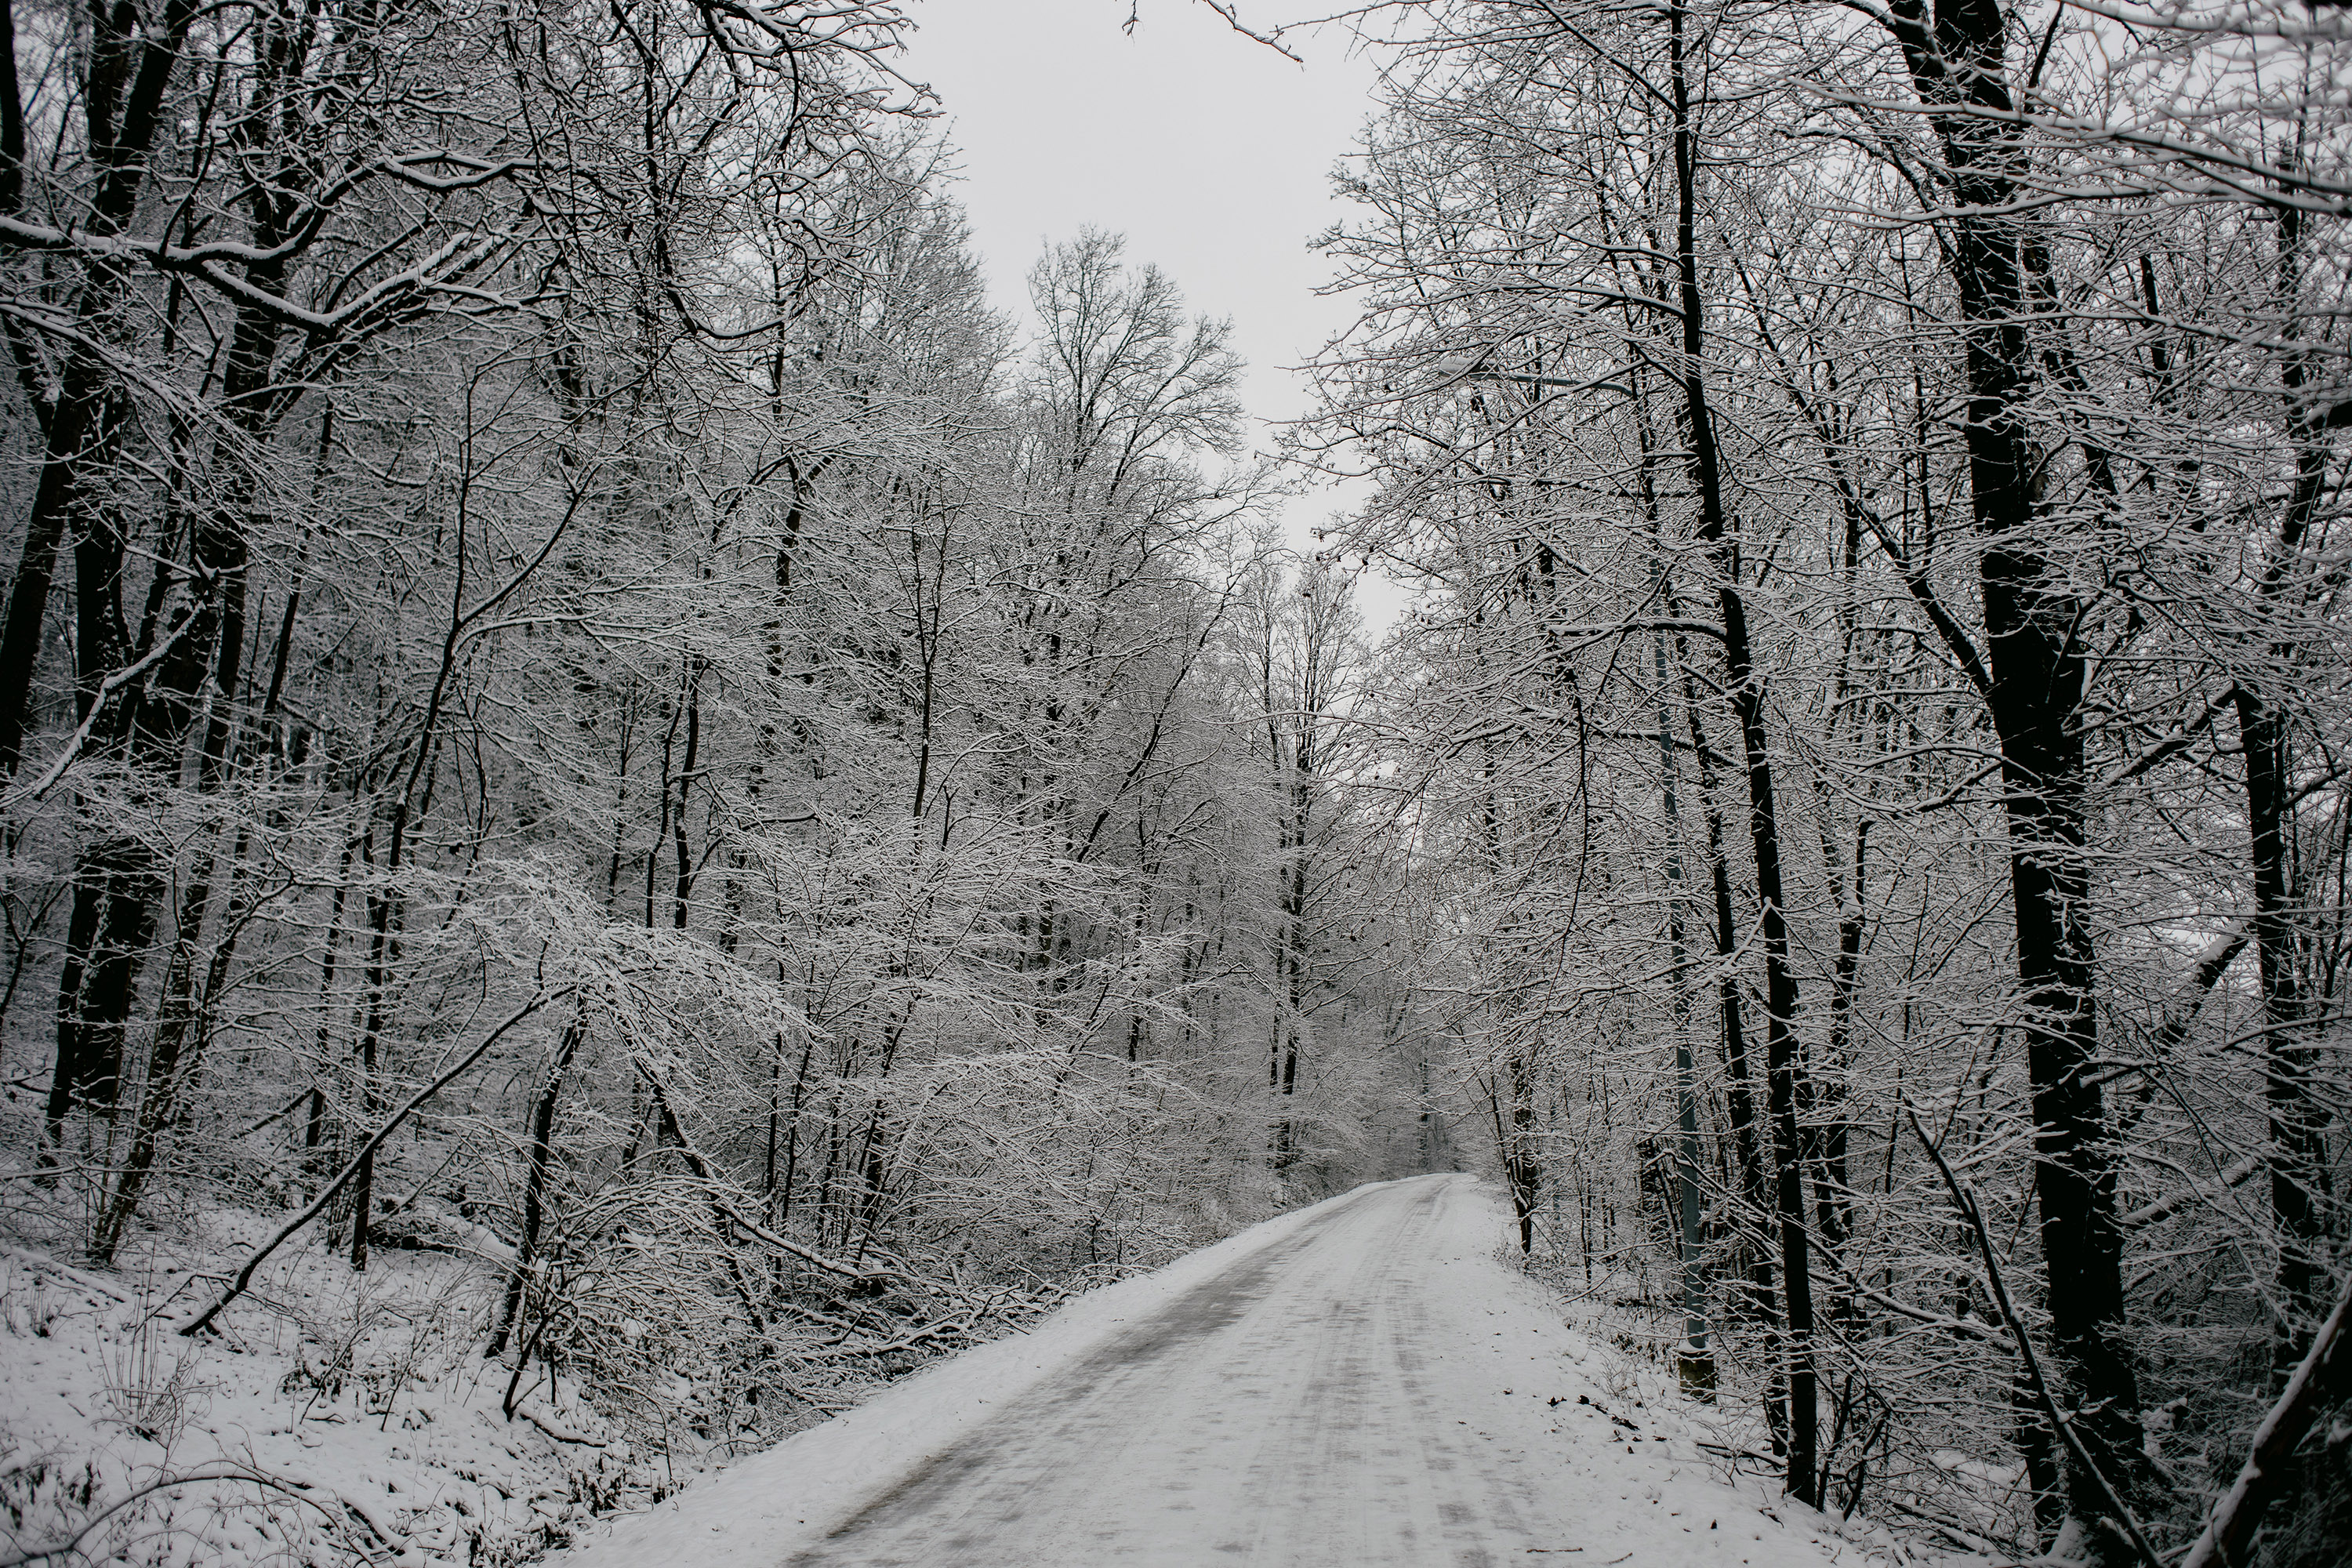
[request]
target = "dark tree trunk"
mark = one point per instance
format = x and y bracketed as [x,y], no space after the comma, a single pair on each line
[534,1190]
[1746,691]
[2038,672]
[2299,1176]
[1757,1292]
[206,652]
[129,72]
[111,923]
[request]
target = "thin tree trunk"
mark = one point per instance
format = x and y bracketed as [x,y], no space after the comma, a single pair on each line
[1747,696]
[534,1192]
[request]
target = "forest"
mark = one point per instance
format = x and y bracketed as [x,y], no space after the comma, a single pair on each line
[627,811]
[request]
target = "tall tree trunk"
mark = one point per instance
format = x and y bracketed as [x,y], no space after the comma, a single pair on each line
[1694,1361]
[129,72]
[2038,672]
[1746,691]
[1740,1096]
[2299,1177]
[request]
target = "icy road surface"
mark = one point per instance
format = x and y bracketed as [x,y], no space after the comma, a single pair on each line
[1361,1383]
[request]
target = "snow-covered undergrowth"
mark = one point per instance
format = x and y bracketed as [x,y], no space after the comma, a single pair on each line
[1914,1502]
[336,1418]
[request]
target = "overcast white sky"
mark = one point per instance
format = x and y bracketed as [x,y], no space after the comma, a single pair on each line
[1211,154]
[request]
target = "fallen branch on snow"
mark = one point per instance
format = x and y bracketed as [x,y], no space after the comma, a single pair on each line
[553,1430]
[74,1277]
[309,1492]
[202,1319]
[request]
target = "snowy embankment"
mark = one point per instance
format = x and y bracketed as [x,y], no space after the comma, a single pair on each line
[1362,1380]
[338,1417]
[330,1419]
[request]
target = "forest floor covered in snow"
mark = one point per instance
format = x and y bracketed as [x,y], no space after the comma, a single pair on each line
[336,1418]
[1363,1382]
[339,1417]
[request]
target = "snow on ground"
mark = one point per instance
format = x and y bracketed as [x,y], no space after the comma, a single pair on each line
[336,1419]
[1362,1381]
[342,1417]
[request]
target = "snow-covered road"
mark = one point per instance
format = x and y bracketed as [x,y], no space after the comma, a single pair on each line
[1361,1383]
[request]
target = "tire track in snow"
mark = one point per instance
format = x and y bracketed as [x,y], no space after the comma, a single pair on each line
[1277,1412]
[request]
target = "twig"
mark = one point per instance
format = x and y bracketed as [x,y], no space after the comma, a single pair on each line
[1224,8]
[297,1490]
[245,1274]
[1735,1454]
[1965,1197]
[280,1114]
